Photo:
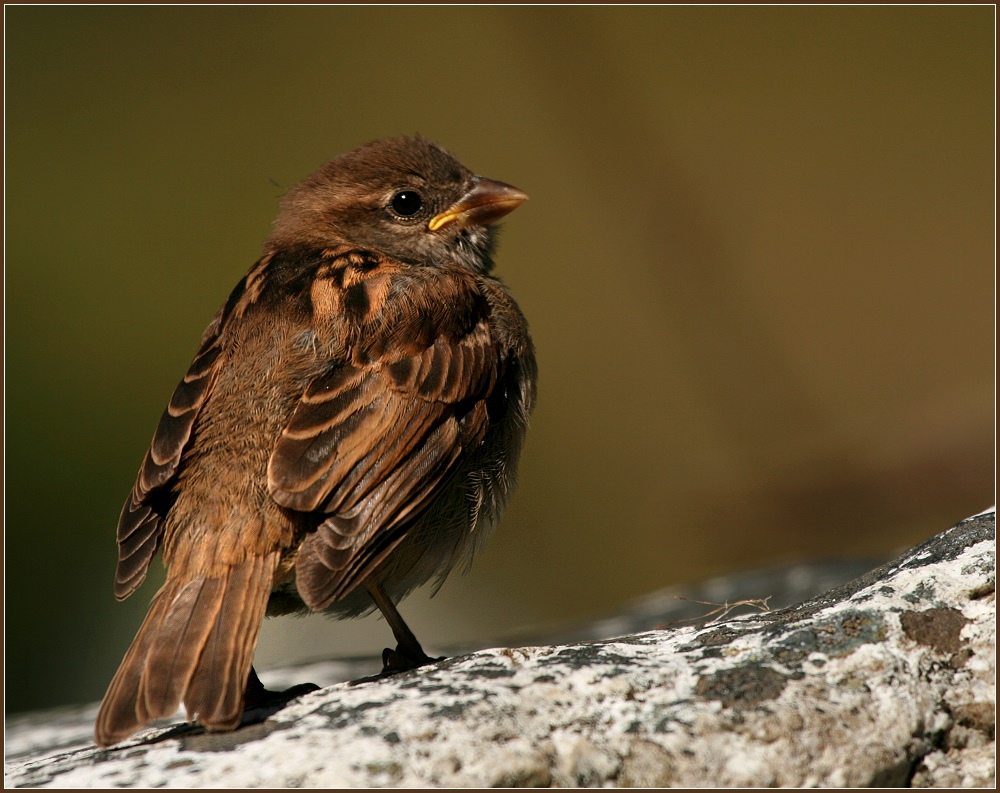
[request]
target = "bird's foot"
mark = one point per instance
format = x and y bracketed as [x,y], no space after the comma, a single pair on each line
[403,659]
[257,697]
[276,699]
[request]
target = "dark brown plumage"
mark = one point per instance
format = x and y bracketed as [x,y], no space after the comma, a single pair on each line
[349,429]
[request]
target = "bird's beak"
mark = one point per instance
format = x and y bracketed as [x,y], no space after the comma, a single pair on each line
[485,203]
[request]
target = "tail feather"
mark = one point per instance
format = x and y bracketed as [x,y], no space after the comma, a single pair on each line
[117,719]
[181,633]
[215,694]
[195,646]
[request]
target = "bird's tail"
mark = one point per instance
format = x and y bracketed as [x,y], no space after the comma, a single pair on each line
[195,646]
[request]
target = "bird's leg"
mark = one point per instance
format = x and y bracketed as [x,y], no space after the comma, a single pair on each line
[257,696]
[408,653]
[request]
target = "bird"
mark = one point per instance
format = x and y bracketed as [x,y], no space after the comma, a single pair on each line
[349,429]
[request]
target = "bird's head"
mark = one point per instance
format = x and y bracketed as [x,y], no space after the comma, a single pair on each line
[406,198]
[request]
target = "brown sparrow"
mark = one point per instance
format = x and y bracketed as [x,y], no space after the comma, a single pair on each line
[349,429]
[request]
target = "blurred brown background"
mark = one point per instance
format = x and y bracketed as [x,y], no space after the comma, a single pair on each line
[757,263]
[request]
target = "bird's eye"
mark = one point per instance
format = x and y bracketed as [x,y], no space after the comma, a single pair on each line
[406,203]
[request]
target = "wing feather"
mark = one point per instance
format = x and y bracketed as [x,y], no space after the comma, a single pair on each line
[140,526]
[370,445]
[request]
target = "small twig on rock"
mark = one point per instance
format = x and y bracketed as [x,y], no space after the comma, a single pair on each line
[724,608]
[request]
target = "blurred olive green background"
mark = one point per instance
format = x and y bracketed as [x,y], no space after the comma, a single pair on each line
[757,263]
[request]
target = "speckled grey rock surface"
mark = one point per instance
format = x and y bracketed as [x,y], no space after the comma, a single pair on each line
[887,680]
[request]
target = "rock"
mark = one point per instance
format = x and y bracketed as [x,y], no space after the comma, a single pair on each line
[885,681]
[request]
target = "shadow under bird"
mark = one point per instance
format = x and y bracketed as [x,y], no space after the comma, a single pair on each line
[349,429]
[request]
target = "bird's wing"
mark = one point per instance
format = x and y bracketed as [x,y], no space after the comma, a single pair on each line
[140,526]
[368,446]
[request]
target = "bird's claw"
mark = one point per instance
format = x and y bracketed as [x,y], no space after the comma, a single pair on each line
[403,660]
[263,698]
